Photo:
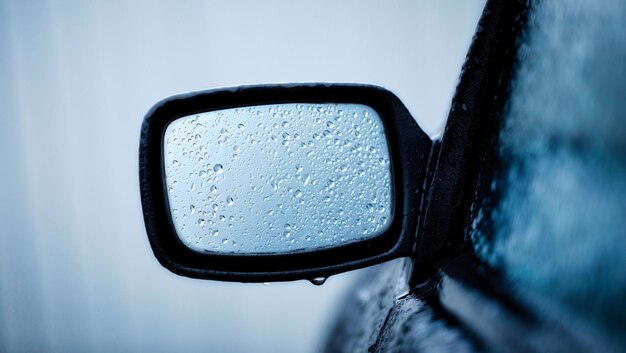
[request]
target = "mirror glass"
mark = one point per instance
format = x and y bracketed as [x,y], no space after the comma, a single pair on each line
[278,178]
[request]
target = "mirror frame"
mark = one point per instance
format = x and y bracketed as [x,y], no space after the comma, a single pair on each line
[409,149]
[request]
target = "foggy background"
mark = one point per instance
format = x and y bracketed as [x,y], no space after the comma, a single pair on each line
[77,77]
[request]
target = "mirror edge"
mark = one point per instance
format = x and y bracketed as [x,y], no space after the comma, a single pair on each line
[409,148]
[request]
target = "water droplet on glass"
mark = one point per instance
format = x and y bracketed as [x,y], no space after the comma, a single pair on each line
[272,182]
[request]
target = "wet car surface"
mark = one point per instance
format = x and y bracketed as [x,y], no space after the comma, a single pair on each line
[538,265]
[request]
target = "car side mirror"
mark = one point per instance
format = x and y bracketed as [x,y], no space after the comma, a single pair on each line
[281,182]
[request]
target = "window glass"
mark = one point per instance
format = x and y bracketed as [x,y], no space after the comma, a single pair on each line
[554,217]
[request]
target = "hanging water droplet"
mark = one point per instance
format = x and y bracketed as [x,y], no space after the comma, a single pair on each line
[218,168]
[192,209]
[318,281]
[229,201]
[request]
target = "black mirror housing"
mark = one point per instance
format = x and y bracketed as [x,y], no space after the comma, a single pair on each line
[409,149]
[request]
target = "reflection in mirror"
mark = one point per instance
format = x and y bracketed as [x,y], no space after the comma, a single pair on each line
[278,178]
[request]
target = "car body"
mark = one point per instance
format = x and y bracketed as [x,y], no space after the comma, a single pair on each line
[527,221]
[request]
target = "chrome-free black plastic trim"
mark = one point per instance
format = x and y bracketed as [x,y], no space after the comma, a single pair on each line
[477,109]
[409,150]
